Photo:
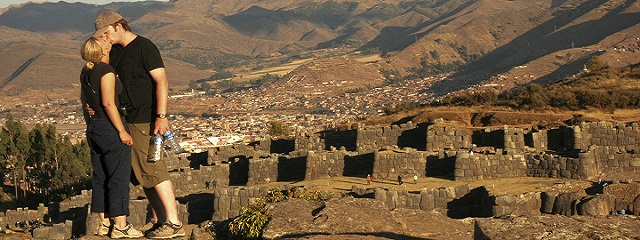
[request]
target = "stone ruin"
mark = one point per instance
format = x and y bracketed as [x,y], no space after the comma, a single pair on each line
[426,150]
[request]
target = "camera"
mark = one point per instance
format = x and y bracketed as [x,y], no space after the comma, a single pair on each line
[123,111]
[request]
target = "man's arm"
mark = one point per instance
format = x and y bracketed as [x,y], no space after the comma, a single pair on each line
[162,97]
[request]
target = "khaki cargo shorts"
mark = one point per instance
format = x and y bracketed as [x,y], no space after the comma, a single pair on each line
[147,174]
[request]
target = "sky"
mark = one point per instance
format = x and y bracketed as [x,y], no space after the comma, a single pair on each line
[6,3]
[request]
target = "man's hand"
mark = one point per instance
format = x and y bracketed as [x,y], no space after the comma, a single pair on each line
[89,110]
[161,126]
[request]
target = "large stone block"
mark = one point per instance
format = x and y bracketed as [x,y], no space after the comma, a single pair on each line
[599,205]
[548,200]
[506,200]
[565,203]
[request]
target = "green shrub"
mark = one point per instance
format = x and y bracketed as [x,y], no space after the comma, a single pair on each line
[278,128]
[264,80]
[221,75]
[596,64]
[250,222]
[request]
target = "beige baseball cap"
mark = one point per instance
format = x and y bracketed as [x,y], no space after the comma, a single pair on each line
[104,20]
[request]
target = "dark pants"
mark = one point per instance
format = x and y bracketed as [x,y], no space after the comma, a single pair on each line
[111,161]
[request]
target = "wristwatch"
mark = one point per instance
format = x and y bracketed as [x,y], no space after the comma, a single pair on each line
[161,115]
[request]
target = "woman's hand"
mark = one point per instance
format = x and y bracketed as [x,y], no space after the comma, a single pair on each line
[126,138]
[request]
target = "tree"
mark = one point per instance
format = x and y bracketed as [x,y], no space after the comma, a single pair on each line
[15,149]
[74,172]
[193,85]
[46,159]
[278,128]
[596,64]
[221,75]
[206,86]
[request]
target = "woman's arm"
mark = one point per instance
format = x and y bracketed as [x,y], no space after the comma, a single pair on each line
[108,91]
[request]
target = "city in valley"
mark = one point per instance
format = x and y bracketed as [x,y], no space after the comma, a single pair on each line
[205,120]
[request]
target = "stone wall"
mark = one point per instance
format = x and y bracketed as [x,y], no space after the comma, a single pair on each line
[325,165]
[615,159]
[264,144]
[373,138]
[226,154]
[460,201]
[539,140]
[187,180]
[263,170]
[56,231]
[484,166]
[514,139]
[476,167]
[389,164]
[557,139]
[557,166]
[626,136]
[443,137]
[177,161]
[12,216]
[307,140]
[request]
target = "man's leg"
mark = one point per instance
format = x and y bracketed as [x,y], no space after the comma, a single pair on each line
[167,199]
[163,202]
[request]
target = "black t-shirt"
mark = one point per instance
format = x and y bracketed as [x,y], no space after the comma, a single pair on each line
[132,64]
[91,92]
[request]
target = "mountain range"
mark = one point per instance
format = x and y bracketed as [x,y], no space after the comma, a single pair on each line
[508,42]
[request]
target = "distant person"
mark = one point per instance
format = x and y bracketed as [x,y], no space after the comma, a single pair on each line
[600,179]
[206,184]
[471,149]
[369,179]
[138,63]
[415,179]
[215,183]
[108,139]
[399,180]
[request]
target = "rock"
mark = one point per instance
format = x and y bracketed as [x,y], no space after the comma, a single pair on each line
[200,234]
[548,200]
[506,200]
[636,206]
[599,205]
[41,233]
[557,227]
[335,216]
[565,203]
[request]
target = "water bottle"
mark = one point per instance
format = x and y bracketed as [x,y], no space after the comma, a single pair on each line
[155,148]
[172,141]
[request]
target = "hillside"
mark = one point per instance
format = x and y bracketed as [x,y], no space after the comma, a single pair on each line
[553,41]
[487,41]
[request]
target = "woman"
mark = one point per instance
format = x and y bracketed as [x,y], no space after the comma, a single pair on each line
[108,139]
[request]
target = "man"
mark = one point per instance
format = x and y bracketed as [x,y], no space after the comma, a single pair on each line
[139,66]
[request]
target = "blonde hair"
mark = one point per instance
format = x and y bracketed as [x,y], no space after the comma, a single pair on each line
[91,52]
